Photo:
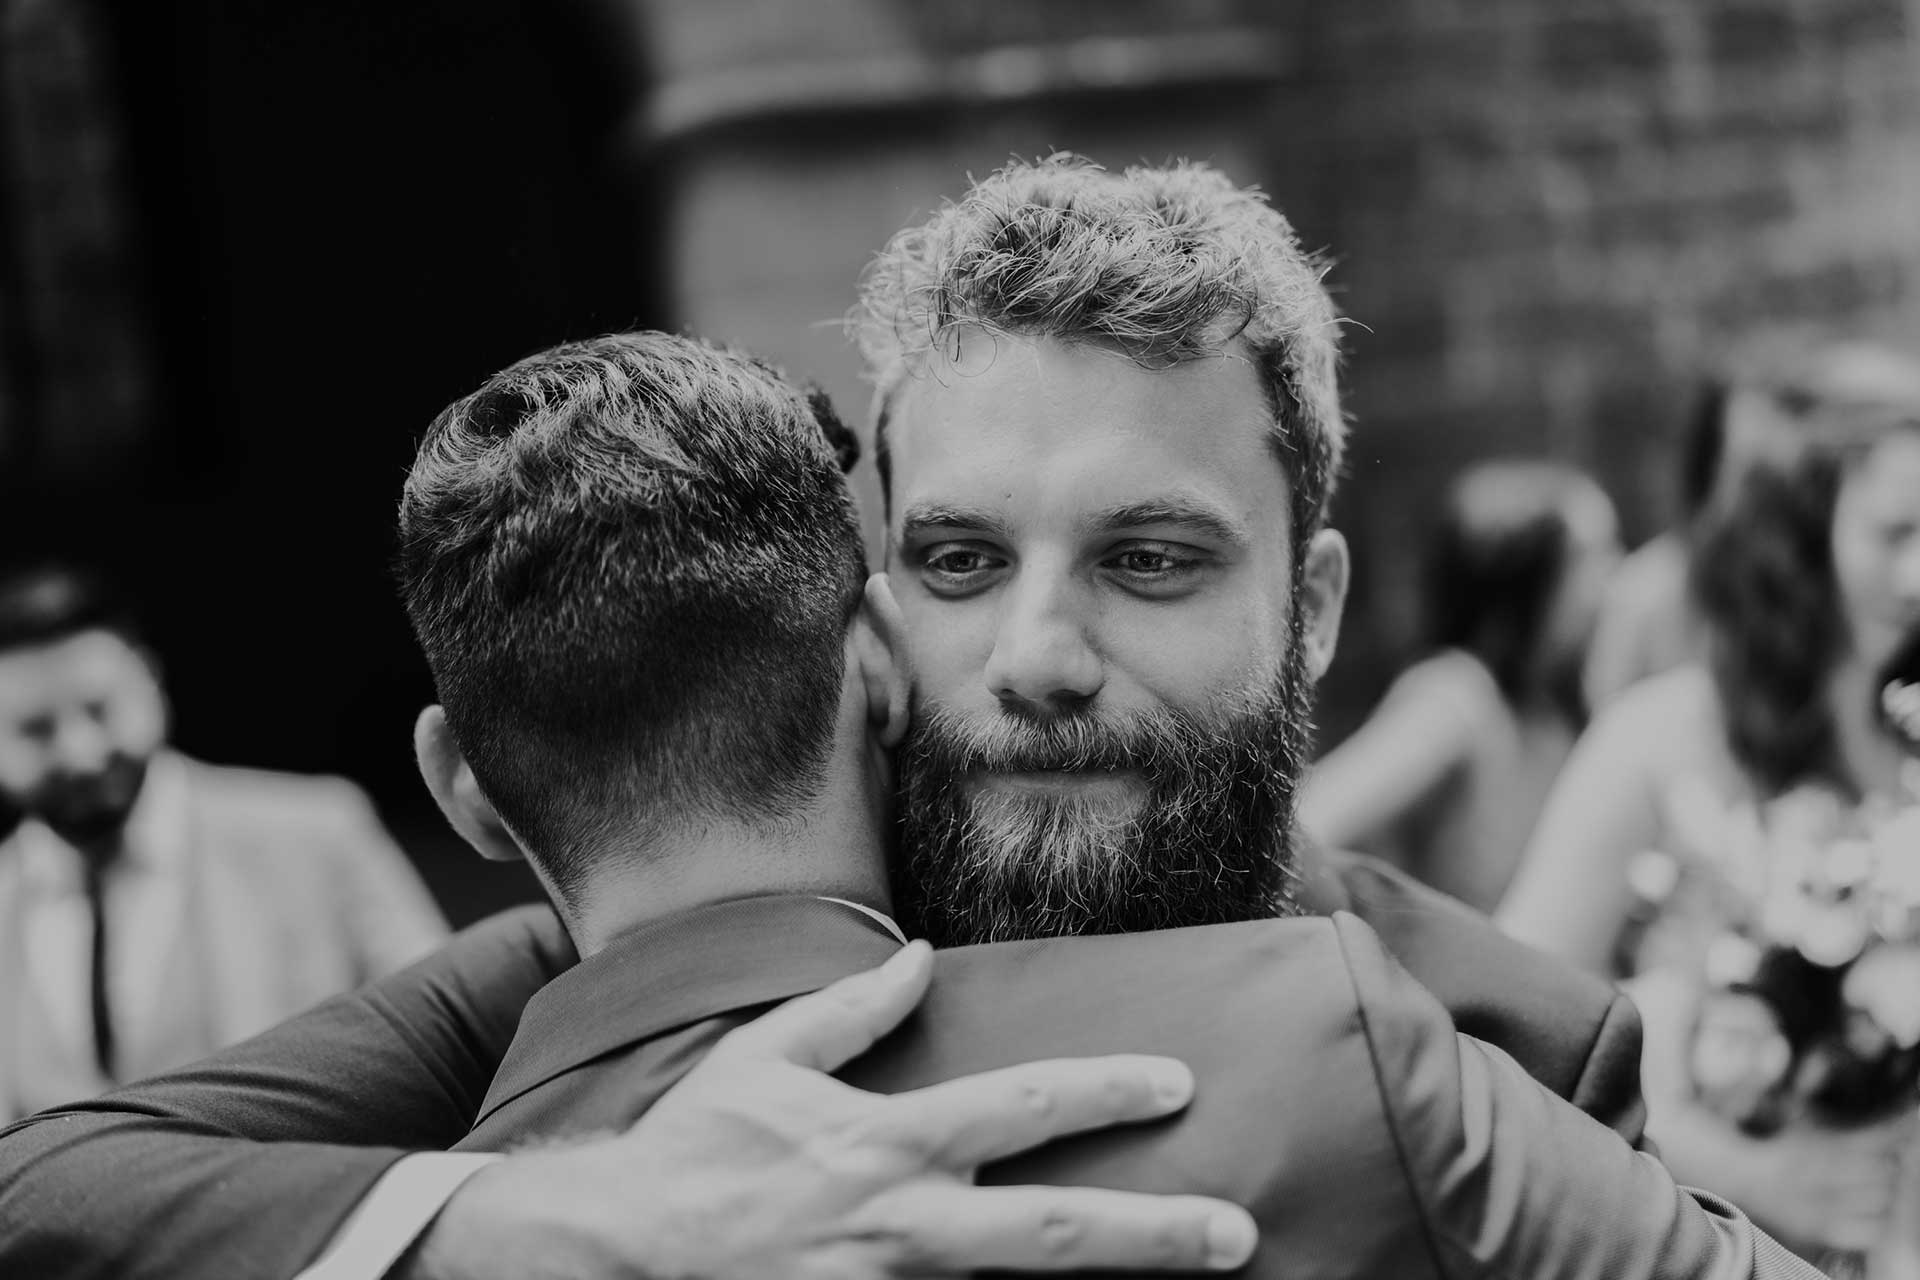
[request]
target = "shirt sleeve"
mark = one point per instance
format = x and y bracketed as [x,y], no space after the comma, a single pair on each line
[394,1214]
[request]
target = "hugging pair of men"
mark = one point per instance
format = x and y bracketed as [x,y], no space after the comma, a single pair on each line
[1060,736]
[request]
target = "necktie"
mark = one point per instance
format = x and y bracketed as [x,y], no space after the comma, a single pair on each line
[102,1009]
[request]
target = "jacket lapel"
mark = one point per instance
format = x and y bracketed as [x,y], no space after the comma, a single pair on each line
[682,970]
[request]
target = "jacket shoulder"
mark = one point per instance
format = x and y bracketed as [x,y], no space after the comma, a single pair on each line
[1570,1030]
[260,793]
[1287,1117]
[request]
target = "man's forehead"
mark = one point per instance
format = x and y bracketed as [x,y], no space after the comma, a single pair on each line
[88,664]
[1020,420]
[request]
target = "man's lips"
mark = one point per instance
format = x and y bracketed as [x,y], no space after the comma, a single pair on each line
[1056,781]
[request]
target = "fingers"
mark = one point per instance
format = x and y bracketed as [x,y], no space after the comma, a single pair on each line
[834,1025]
[961,1228]
[975,1119]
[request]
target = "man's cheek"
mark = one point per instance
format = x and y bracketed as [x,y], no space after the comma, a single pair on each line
[949,650]
[139,734]
[18,774]
[1191,660]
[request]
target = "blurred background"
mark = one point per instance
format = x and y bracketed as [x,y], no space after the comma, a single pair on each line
[248,250]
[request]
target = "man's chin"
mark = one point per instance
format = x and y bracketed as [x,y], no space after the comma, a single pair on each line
[95,815]
[89,827]
[1100,795]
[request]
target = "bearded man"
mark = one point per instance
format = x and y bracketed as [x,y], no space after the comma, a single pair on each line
[154,908]
[1109,426]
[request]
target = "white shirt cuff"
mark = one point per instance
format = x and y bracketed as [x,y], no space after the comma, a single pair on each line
[393,1214]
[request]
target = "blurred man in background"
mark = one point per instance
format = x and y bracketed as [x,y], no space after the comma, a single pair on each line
[154,908]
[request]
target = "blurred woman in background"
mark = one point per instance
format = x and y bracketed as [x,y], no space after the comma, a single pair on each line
[1648,622]
[1756,814]
[1447,776]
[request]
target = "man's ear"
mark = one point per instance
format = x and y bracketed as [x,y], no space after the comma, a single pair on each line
[451,780]
[1323,594]
[879,638]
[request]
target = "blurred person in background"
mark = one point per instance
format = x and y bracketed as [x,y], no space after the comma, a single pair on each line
[154,908]
[1447,776]
[1648,622]
[1744,835]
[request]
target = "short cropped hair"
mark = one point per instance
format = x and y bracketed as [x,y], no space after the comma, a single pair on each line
[1164,265]
[631,563]
[45,602]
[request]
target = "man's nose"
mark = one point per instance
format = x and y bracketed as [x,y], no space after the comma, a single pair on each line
[1042,658]
[82,745]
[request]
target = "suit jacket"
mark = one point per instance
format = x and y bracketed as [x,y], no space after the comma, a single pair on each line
[312,1112]
[1334,1098]
[287,891]
[1572,1032]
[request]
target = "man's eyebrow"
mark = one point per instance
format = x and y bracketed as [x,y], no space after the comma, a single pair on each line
[923,517]
[1199,517]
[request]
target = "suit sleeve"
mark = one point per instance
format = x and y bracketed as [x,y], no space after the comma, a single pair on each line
[1609,1086]
[1515,1182]
[247,1162]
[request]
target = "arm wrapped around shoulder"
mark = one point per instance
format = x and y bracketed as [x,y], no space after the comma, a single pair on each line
[1513,1180]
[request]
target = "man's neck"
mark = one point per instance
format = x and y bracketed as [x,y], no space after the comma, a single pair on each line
[699,862]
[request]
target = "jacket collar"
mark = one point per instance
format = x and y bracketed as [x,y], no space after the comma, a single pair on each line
[684,969]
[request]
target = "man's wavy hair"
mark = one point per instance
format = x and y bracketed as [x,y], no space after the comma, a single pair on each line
[1163,265]
[631,563]
[1763,573]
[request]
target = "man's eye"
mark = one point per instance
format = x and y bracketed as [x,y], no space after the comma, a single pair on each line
[958,569]
[958,562]
[1156,570]
[1148,561]
[1154,560]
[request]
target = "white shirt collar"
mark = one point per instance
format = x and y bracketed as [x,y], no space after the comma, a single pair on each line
[884,920]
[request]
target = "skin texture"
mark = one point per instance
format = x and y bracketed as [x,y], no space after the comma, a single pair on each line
[1071,530]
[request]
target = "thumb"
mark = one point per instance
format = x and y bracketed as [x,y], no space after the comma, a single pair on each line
[836,1024]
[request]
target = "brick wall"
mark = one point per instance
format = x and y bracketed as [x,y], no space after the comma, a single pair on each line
[1546,219]
[1550,218]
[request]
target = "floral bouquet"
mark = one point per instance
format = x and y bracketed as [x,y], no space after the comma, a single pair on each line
[1811,998]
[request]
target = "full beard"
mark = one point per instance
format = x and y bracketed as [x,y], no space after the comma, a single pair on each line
[91,811]
[1208,841]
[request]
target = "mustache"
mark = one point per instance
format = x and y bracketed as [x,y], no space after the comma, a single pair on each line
[1005,743]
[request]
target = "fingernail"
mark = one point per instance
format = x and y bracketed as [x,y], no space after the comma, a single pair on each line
[1231,1236]
[1172,1083]
[907,956]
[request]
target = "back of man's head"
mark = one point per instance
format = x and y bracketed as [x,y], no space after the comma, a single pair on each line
[1164,265]
[631,563]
